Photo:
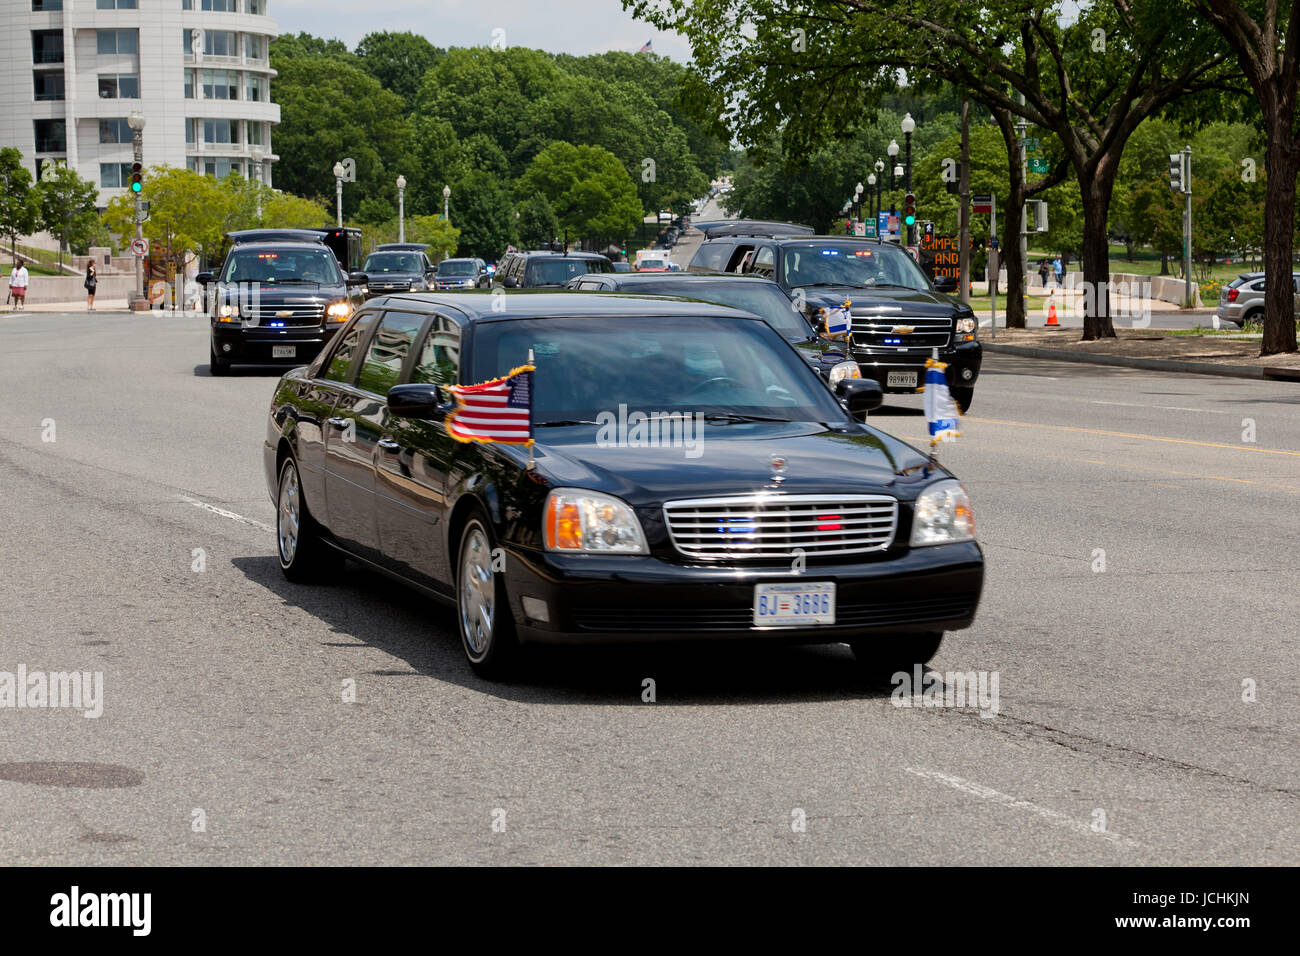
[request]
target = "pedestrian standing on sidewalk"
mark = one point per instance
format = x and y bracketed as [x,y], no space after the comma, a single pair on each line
[1058,270]
[1064,270]
[1042,271]
[18,285]
[91,283]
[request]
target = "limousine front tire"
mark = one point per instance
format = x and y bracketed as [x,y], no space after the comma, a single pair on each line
[483,617]
[304,557]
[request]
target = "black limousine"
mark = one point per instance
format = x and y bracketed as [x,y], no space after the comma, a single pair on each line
[757,506]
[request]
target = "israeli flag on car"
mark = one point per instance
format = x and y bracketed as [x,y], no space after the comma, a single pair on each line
[941,411]
[838,321]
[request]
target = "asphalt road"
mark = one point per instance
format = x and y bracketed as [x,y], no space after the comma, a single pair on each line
[1122,736]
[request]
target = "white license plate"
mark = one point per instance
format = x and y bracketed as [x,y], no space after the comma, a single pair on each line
[283,351]
[784,605]
[901,380]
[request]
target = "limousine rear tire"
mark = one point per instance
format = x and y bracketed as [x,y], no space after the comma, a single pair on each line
[304,557]
[884,656]
[483,617]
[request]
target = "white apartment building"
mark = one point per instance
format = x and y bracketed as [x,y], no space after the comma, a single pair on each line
[72,71]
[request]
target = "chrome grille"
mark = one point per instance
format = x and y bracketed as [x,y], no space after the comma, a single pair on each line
[389,285]
[269,316]
[877,331]
[774,526]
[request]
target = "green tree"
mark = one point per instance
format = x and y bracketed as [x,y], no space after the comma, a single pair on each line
[443,238]
[188,212]
[398,60]
[535,222]
[68,208]
[20,204]
[590,191]
[482,210]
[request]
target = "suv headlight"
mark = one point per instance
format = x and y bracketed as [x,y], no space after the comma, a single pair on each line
[588,521]
[966,325]
[842,371]
[338,311]
[942,515]
[228,312]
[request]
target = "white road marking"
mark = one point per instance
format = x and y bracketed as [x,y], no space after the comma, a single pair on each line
[1168,408]
[224,513]
[1006,800]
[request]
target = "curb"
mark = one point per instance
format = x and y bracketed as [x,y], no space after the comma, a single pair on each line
[1149,364]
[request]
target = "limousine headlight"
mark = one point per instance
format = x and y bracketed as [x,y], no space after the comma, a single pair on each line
[842,371]
[942,515]
[589,521]
[338,311]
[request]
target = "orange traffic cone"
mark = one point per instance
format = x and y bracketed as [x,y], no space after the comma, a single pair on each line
[1051,312]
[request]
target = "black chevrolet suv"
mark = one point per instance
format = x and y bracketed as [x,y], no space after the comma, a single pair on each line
[542,270]
[899,317]
[277,303]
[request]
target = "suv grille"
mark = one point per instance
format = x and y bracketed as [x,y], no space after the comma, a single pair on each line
[877,331]
[269,316]
[774,526]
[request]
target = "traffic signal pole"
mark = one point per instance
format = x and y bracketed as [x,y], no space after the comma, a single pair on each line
[137,140]
[1187,227]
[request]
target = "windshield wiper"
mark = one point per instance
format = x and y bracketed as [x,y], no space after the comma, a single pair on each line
[735,417]
[558,424]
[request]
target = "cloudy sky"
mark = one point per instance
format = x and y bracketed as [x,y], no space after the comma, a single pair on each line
[560,26]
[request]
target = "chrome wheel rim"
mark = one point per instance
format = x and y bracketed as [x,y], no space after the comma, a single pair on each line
[288,515]
[477,594]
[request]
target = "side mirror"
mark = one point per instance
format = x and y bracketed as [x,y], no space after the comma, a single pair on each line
[945,284]
[203,278]
[859,395]
[509,282]
[418,401]
[358,278]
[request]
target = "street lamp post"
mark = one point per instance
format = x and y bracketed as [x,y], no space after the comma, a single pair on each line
[401,208]
[871,187]
[893,154]
[258,158]
[880,183]
[136,122]
[857,201]
[338,189]
[446,199]
[909,125]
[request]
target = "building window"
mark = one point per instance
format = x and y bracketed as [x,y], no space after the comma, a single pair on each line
[219,43]
[47,46]
[48,83]
[221,168]
[119,86]
[117,41]
[189,131]
[255,134]
[114,175]
[221,131]
[114,4]
[220,85]
[41,5]
[256,8]
[254,47]
[51,135]
[219,6]
[114,131]
[187,4]
[256,91]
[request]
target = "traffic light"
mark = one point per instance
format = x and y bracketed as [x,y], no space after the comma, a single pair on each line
[909,209]
[137,177]
[1176,182]
[848,225]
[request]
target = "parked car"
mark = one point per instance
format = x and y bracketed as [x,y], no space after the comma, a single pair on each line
[799,524]
[898,317]
[540,270]
[398,270]
[1242,299]
[463,274]
[753,294]
[277,303]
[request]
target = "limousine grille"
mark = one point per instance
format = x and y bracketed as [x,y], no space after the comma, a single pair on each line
[778,526]
[898,331]
[890,612]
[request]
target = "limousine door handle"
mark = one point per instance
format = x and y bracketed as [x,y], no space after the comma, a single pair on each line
[387,444]
[339,422]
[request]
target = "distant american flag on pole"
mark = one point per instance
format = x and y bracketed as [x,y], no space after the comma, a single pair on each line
[646,48]
[497,411]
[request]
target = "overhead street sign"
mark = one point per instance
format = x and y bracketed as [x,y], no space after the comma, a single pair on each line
[1038,165]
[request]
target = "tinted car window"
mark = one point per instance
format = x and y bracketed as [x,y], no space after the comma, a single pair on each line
[764,262]
[282,265]
[711,257]
[764,300]
[341,360]
[670,364]
[389,347]
[556,271]
[816,263]
[382,262]
[457,267]
[439,359]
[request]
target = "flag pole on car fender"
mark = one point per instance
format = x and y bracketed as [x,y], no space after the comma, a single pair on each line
[532,465]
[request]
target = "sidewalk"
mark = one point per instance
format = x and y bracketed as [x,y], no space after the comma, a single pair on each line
[1236,356]
[101,305]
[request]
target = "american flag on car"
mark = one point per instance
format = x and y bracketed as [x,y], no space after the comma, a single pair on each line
[500,410]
